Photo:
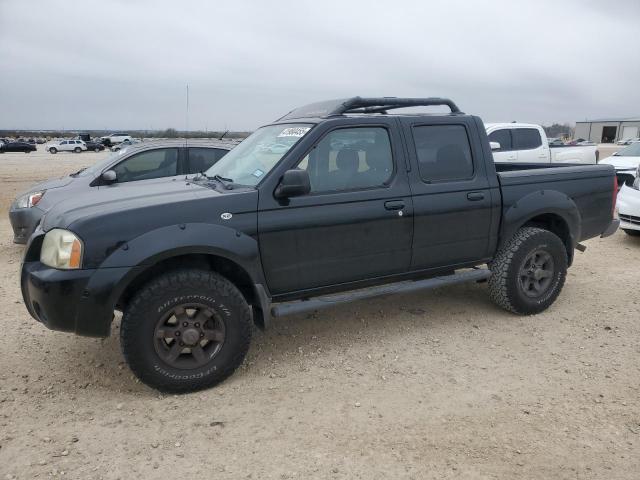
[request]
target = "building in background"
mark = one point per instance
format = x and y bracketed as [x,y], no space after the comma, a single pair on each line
[608,130]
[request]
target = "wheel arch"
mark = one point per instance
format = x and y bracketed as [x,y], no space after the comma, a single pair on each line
[547,209]
[224,250]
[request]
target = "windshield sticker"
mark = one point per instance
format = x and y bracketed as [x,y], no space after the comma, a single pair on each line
[258,173]
[294,131]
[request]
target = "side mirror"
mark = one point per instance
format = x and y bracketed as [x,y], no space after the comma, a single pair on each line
[294,183]
[109,176]
[495,145]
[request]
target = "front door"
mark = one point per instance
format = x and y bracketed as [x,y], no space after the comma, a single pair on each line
[506,152]
[355,224]
[149,166]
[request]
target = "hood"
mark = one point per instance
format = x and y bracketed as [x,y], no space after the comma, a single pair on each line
[49,185]
[111,217]
[120,199]
[622,163]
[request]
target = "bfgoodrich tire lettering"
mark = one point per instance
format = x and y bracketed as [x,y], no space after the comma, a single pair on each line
[508,284]
[184,291]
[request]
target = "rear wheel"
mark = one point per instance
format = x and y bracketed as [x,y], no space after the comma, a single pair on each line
[632,233]
[529,271]
[53,150]
[185,331]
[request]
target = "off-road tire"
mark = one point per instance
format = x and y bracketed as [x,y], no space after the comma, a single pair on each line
[631,233]
[174,288]
[505,287]
[53,150]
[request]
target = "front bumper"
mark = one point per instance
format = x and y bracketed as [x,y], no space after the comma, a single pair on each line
[629,208]
[78,301]
[24,222]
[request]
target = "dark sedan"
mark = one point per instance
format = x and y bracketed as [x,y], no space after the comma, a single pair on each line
[124,171]
[25,147]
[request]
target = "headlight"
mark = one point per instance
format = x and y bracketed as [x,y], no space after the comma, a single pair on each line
[61,249]
[30,199]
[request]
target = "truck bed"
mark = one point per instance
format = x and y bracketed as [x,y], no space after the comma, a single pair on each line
[588,186]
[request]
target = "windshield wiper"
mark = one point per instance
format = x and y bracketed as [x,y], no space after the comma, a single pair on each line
[227,182]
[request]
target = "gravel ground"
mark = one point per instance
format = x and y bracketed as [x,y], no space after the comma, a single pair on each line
[430,385]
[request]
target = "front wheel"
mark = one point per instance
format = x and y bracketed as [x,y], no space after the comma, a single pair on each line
[185,331]
[529,271]
[53,150]
[631,233]
[77,150]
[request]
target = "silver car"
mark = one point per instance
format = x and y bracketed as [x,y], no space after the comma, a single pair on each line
[145,162]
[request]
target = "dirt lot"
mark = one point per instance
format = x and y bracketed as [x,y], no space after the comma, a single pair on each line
[430,385]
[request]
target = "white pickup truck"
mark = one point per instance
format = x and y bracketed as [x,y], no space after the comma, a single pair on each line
[527,143]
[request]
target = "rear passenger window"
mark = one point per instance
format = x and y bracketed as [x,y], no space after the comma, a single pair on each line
[526,138]
[443,152]
[503,137]
[201,159]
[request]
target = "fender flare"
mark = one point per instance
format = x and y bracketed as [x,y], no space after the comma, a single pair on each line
[142,252]
[538,203]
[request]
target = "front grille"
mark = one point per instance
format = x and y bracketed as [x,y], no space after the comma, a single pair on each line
[630,219]
[625,179]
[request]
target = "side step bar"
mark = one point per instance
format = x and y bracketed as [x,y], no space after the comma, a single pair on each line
[326,301]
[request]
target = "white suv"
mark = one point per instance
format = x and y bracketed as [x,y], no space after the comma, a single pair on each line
[115,138]
[76,146]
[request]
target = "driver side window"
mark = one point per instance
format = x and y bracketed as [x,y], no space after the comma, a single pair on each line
[162,162]
[350,159]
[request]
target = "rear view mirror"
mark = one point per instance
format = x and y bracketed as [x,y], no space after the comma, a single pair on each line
[294,183]
[109,176]
[495,145]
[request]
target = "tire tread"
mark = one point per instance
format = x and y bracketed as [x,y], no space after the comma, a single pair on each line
[158,289]
[500,268]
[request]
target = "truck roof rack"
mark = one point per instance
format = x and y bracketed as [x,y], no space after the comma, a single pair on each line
[365,105]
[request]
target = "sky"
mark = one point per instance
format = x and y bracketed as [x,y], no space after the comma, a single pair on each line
[117,65]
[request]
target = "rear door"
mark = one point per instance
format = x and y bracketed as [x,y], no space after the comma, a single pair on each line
[452,200]
[528,142]
[356,223]
[200,159]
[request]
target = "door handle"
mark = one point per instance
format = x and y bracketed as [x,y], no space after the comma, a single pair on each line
[394,205]
[475,196]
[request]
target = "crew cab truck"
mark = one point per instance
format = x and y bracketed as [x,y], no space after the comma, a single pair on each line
[354,202]
[528,143]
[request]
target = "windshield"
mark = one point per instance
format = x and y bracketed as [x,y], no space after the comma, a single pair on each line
[632,150]
[101,165]
[254,157]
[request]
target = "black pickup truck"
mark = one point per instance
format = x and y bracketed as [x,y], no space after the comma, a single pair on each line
[335,201]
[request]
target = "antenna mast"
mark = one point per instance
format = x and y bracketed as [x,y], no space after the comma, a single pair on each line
[187,113]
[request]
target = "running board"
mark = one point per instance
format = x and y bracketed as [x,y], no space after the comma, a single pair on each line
[326,301]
